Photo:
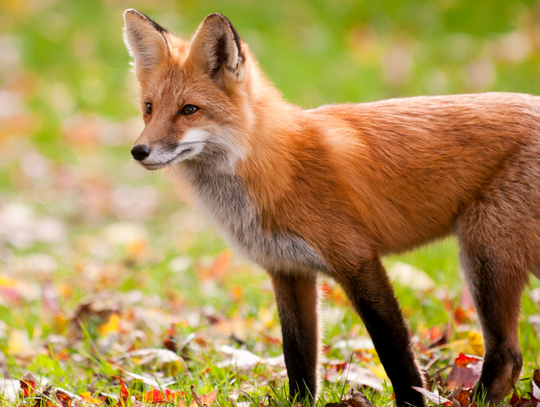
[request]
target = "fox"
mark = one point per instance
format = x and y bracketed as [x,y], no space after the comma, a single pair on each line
[329,191]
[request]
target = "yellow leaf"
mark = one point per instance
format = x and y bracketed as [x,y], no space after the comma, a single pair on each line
[476,343]
[471,345]
[60,323]
[111,326]
[18,342]
[378,370]
[136,248]
[86,396]
[266,316]
[6,282]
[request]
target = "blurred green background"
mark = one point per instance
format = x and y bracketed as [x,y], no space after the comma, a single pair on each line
[77,216]
[60,59]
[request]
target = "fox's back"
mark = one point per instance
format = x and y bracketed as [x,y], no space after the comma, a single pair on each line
[422,160]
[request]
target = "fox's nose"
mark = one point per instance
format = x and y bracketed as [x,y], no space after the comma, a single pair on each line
[140,152]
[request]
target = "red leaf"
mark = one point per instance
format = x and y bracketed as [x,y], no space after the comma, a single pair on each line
[64,399]
[156,395]
[29,385]
[517,401]
[463,360]
[124,393]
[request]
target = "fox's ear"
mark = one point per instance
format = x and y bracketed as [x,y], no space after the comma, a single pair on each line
[145,40]
[217,47]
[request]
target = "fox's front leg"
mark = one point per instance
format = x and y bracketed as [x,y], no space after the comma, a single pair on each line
[298,303]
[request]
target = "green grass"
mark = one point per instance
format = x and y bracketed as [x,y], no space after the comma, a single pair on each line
[70,72]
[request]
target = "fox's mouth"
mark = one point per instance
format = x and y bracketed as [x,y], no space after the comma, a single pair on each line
[159,165]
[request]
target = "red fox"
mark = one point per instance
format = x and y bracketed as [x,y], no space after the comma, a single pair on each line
[330,190]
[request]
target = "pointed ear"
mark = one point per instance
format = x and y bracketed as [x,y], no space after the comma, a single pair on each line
[145,40]
[217,47]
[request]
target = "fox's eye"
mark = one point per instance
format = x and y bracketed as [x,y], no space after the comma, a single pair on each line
[188,109]
[148,109]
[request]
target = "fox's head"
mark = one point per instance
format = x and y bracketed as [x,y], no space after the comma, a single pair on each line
[193,93]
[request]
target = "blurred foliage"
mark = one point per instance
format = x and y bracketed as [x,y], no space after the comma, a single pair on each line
[316,52]
[78,216]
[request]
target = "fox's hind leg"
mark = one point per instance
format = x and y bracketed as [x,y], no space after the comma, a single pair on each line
[368,288]
[496,280]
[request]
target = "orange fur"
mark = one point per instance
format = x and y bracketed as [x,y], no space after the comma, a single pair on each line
[332,189]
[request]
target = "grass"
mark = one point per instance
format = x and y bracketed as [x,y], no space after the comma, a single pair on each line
[149,269]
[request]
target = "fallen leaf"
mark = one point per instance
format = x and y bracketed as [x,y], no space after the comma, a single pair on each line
[66,398]
[410,276]
[433,397]
[535,384]
[208,399]
[349,345]
[465,371]
[45,399]
[463,360]
[123,393]
[162,359]
[196,401]
[29,385]
[87,396]
[156,395]
[239,358]
[517,401]
[463,397]
[356,399]
[9,388]
[352,373]
[471,345]
[112,325]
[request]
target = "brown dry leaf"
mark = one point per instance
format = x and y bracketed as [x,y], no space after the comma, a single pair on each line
[208,399]
[437,336]
[66,398]
[204,400]
[45,399]
[463,397]
[356,399]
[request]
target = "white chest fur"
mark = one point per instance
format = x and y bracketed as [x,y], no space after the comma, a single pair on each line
[224,198]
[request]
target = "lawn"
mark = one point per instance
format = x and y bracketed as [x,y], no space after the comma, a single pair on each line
[107,279]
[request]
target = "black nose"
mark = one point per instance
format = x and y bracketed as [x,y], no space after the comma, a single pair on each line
[140,152]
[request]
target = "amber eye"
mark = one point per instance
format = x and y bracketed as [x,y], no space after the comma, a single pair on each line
[188,109]
[148,109]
